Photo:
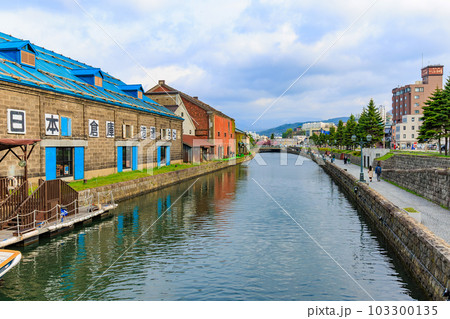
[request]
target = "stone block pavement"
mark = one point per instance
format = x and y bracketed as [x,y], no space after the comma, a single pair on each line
[433,216]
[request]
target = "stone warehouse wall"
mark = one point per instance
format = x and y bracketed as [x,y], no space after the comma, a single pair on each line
[431,183]
[424,254]
[100,153]
[133,188]
[428,176]
[403,161]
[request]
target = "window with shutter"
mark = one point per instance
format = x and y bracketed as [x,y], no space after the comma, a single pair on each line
[98,81]
[28,58]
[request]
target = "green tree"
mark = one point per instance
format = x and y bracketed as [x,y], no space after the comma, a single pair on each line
[339,136]
[314,139]
[272,136]
[350,129]
[332,136]
[371,123]
[435,124]
[288,134]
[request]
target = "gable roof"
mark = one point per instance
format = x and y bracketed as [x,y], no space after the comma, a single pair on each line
[57,73]
[191,99]
[17,45]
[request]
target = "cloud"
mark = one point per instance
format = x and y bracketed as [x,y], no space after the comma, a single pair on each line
[239,56]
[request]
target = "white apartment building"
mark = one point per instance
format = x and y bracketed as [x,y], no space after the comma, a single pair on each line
[316,127]
[407,131]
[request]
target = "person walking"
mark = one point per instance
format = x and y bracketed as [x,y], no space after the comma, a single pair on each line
[370,173]
[378,171]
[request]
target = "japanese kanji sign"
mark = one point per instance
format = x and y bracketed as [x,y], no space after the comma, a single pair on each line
[110,129]
[93,128]
[16,122]
[153,132]
[143,132]
[51,124]
[174,134]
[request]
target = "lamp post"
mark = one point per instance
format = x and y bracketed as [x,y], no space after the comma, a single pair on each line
[361,143]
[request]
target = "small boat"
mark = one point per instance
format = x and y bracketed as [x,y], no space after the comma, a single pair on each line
[8,259]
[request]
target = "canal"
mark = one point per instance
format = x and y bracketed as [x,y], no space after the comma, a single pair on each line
[249,232]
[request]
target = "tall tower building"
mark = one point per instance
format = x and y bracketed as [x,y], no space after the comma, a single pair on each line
[409,99]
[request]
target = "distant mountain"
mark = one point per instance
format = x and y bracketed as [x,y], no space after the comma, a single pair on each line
[282,128]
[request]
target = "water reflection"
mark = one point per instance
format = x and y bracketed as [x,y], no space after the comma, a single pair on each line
[223,239]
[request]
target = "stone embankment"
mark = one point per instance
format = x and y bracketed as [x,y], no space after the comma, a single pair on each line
[423,253]
[133,188]
[427,176]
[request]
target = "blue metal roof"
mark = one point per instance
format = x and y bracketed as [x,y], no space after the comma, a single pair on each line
[55,72]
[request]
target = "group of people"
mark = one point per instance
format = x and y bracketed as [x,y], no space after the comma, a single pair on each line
[377,172]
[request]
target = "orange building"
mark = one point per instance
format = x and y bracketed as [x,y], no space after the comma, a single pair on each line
[210,124]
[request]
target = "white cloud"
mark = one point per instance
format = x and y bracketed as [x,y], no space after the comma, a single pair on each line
[241,55]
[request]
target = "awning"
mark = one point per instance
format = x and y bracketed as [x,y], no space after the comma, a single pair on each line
[195,141]
[8,143]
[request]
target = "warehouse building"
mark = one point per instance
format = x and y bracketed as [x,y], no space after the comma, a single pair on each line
[88,122]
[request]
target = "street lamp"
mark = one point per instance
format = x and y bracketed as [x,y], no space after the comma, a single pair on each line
[361,143]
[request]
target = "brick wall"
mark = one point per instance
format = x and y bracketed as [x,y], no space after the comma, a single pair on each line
[428,176]
[100,153]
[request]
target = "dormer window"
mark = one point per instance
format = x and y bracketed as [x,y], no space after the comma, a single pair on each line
[19,51]
[134,90]
[93,76]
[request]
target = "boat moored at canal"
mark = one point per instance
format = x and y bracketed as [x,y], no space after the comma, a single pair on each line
[8,259]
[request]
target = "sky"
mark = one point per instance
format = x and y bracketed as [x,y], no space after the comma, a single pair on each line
[264,63]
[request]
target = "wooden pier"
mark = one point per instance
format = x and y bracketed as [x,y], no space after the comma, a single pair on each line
[84,216]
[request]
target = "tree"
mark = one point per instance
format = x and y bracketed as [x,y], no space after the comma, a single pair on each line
[288,133]
[339,136]
[314,139]
[435,124]
[350,129]
[332,136]
[272,136]
[446,114]
[371,123]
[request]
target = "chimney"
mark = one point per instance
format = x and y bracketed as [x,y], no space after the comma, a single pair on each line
[195,97]
[161,82]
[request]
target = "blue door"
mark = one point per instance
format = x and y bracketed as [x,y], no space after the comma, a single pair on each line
[158,156]
[168,155]
[134,160]
[119,159]
[79,163]
[50,163]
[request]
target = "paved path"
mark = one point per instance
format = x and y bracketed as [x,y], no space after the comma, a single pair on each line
[433,216]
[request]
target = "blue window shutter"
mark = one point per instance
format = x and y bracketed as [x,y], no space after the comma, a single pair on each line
[119,159]
[79,163]
[168,155]
[50,163]
[134,160]
[158,156]
[64,126]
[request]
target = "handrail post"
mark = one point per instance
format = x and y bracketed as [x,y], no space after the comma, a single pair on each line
[34,218]
[18,226]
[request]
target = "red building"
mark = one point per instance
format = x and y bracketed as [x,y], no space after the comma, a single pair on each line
[210,124]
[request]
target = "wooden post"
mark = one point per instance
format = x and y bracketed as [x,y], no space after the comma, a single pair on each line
[26,164]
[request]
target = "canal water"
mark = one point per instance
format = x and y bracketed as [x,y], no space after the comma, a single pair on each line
[249,232]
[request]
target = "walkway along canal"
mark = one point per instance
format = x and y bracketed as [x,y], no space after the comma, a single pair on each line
[223,236]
